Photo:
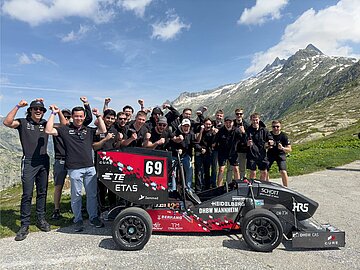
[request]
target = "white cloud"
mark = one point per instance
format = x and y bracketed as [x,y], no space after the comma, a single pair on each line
[24,59]
[332,30]
[264,10]
[74,36]
[35,12]
[170,28]
[138,6]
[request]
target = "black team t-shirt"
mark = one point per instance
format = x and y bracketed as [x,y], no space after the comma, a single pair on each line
[33,138]
[78,146]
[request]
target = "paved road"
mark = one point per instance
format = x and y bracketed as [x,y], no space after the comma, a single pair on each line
[336,190]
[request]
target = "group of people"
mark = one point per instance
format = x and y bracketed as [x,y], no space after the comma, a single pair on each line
[210,144]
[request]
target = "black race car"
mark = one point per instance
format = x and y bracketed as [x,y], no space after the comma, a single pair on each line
[266,213]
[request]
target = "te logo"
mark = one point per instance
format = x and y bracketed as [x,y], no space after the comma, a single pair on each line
[300,207]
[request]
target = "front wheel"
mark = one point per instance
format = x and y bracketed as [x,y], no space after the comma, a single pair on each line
[261,230]
[132,229]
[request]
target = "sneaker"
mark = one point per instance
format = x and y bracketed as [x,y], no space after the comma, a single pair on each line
[22,233]
[104,215]
[43,225]
[56,215]
[97,222]
[79,226]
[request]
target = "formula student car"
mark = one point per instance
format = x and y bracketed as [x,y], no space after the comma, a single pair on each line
[265,213]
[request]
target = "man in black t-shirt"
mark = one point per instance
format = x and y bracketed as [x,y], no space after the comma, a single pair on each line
[78,141]
[136,133]
[35,163]
[203,158]
[225,142]
[59,170]
[279,150]
[258,139]
[106,142]
[160,135]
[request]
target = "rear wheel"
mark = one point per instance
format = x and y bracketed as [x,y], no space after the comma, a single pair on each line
[132,228]
[261,230]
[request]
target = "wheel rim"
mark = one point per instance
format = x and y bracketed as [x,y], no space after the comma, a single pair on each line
[262,231]
[131,231]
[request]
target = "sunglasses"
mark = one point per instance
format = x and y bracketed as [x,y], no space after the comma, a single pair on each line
[38,109]
[239,113]
[276,126]
[162,125]
[67,116]
[121,119]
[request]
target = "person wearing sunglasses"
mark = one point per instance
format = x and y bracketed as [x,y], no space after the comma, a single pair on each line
[241,147]
[78,140]
[35,163]
[160,135]
[279,150]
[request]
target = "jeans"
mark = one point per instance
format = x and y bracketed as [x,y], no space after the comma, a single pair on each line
[214,169]
[33,172]
[78,178]
[188,171]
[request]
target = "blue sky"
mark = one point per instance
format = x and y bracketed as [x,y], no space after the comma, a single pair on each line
[156,49]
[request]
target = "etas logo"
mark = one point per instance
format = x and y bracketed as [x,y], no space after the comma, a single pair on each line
[300,207]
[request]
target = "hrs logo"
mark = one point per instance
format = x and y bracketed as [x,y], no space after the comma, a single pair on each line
[300,207]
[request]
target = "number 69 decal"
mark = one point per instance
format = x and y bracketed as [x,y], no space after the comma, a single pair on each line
[154,167]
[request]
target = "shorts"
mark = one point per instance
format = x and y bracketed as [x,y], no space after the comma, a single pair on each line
[280,162]
[59,172]
[232,159]
[261,164]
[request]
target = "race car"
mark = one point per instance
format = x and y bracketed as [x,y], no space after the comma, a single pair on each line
[265,213]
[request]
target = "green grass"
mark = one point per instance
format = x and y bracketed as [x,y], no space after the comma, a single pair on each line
[337,149]
[10,211]
[340,148]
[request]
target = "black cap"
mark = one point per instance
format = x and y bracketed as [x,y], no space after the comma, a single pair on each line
[228,118]
[66,111]
[157,110]
[37,103]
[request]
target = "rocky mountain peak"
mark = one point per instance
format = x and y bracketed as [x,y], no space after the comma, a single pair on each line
[312,48]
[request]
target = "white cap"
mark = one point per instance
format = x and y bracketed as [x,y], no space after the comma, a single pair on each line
[186,122]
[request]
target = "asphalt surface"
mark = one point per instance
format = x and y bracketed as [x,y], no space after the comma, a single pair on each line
[336,190]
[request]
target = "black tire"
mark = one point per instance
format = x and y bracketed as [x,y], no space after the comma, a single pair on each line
[132,229]
[261,230]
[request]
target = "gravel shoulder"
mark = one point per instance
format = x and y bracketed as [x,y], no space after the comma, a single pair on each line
[337,191]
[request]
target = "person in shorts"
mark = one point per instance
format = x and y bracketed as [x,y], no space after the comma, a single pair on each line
[279,150]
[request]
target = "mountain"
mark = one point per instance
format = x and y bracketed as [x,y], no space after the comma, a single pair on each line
[288,87]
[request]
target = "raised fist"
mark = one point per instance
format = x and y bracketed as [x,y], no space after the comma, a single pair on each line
[84,99]
[107,100]
[22,103]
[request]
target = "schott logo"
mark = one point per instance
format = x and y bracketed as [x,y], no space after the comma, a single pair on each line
[300,207]
[269,192]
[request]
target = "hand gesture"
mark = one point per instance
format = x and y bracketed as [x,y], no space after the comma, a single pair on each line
[242,129]
[120,136]
[280,147]
[165,106]
[95,111]
[107,100]
[249,142]
[84,99]
[109,136]
[181,137]
[147,136]
[215,130]
[141,102]
[40,99]
[22,103]
[54,108]
[203,151]
[161,141]
[134,136]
